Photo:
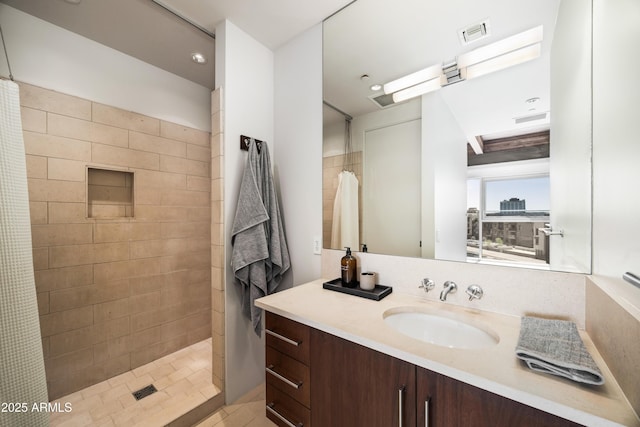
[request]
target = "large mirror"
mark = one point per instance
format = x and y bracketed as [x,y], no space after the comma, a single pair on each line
[460,131]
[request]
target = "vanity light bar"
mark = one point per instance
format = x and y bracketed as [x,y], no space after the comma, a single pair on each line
[502,47]
[496,56]
[413,79]
[503,61]
[417,90]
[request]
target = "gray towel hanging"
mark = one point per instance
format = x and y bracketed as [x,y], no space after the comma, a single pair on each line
[260,255]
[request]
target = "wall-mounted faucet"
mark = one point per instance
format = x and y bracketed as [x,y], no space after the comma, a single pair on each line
[474,292]
[449,288]
[427,285]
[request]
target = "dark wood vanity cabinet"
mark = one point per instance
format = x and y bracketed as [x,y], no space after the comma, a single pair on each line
[317,379]
[354,386]
[288,387]
[451,403]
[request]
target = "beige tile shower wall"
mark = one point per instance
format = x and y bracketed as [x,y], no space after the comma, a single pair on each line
[331,167]
[217,237]
[115,294]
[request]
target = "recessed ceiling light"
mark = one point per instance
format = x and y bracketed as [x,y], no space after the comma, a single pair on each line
[376,87]
[73,1]
[198,58]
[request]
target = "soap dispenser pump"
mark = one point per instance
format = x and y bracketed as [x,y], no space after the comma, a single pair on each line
[348,268]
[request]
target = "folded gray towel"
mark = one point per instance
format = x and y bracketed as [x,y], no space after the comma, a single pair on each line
[555,347]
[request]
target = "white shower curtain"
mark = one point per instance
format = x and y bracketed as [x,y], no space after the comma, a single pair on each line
[345,230]
[22,375]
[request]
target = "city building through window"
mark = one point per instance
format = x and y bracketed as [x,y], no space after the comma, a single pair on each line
[504,216]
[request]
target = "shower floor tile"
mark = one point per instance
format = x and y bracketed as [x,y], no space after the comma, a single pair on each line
[183,380]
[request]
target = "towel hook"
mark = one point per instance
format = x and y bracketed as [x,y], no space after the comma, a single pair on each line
[245,142]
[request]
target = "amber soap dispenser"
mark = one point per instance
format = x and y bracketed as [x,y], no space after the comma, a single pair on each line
[348,268]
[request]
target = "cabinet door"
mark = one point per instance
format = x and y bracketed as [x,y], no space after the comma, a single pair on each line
[354,386]
[452,403]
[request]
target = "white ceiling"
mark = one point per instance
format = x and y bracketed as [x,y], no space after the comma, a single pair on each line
[271,22]
[147,30]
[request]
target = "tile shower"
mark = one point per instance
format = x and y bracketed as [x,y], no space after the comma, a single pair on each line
[121,212]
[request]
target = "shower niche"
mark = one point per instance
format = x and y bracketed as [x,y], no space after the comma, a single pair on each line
[109,193]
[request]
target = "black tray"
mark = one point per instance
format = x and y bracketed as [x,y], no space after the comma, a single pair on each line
[376,293]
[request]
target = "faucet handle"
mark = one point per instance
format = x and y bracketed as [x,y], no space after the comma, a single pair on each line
[427,284]
[474,292]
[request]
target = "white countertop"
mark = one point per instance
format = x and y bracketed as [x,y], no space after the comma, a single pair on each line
[495,369]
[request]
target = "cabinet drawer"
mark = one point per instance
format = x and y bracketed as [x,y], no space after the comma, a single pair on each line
[284,410]
[288,375]
[288,337]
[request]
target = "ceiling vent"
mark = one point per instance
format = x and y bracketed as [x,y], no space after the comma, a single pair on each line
[474,32]
[382,101]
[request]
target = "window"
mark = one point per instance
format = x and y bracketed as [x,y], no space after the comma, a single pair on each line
[504,216]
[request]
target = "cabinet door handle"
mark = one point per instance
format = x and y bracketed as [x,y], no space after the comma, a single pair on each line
[282,337]
[282,378]
[426,412]
[400,405]
[280,417]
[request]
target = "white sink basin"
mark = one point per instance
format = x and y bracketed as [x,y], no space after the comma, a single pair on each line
[445,330]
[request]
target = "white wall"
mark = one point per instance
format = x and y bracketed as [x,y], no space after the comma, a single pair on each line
[616,129]
[48,56]
[333,131]
[391,190]
[244,69]
[444,182]
[444,176]
[392,116]
[298,160]
[275,97]
[570,158]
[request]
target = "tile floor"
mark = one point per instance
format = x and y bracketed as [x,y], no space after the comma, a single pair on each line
[248,411]
[183,380]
